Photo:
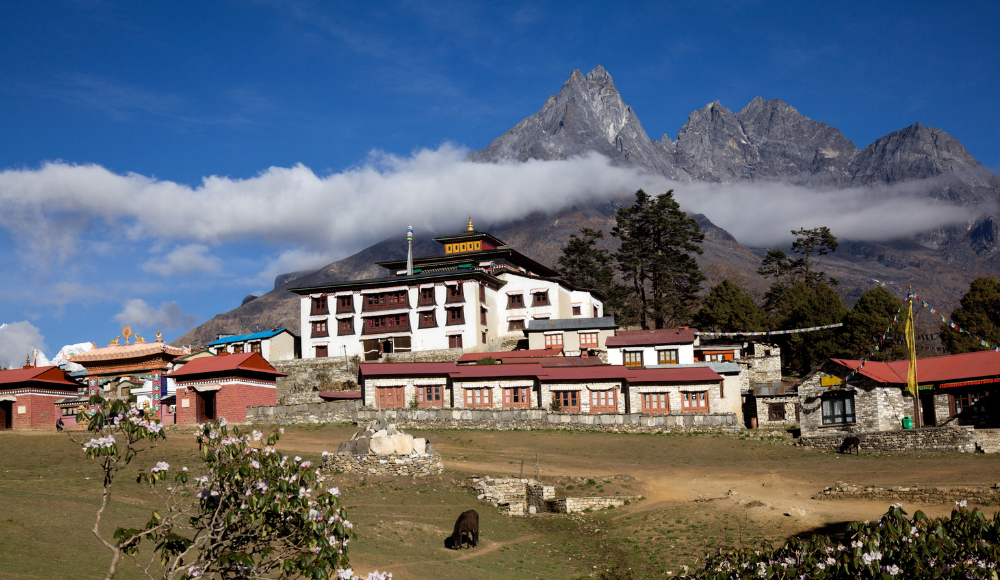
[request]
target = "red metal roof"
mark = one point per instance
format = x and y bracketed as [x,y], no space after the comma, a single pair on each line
[249,361]
[937,369]
[50,375]
[406,369]
[497,371]
[504,355]
[652,337]
[599,372]
[680,375]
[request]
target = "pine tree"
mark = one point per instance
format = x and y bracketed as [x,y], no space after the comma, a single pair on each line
[585,265]
[727,308]
[800,306]
[867,322]
[657,240]
[979,314]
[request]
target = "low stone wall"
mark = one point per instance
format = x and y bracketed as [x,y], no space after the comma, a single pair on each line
[573,505]
[509,419]
[500,491]
[920,494]
[988,440]
[443,355]
[392,465]
[961,439]
[322,412]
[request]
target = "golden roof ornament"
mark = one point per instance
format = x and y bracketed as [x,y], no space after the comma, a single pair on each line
[470,228]
[159,337]
[115,341]
[126,332]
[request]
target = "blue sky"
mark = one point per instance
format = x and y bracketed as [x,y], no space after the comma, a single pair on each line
[141,102]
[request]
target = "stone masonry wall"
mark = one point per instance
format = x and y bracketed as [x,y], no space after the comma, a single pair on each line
[761,366]
[961,439]
[322,412]
[988,440]
[921,494]
[572,505]
[763,411]
[384,465]
[508,419]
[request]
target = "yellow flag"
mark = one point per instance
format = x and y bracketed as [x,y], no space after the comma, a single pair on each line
[911,346]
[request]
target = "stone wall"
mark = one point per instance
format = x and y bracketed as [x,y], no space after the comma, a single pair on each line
[876,407]
[572,505]
[961,439]
[508,419]
[384,465]
[308,376]
[443,355]
[921,494]
[763,363]
[789,402]
[988,440]
[321,412]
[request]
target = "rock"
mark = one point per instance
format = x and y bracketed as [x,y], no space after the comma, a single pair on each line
[347,447]
[531,509]
[402,444]
[391,431]
[380,433]
[420,445]
[429,449]
[381,446]
[361,446]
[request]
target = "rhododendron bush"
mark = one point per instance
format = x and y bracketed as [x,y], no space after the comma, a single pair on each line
[965,545]
[247,512]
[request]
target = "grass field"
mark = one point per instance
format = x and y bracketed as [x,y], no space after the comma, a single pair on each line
[702,492]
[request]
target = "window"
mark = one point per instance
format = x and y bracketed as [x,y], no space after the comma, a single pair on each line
[345,326]
[427,297]
[387,301]
[478,398]
[389,397]
[69,411]
[319,329]
[666,357]
[633,359]
[429,396]
[345,304]
[553,341]
[455,293]
[540,298]
[775,411]
[238,348]
[484,337]
[568,400]
[515,325]
[656,402]
[254,347]
[516,397]
[482,293]
[455,315]
[588,340]
[515,301]
[455,341]
[604,401]
[694,401]
[576,311]
[319,305]
[595,312]
[428,319]
[838,410]
[381,324]
[970,402]
[322,351]
[482,316]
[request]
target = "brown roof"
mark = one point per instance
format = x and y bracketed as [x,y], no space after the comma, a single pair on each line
[652,337]
[249,361]
[685,374]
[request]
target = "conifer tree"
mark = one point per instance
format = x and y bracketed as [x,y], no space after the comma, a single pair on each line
[867,322]
[727,308]
[979,314]
[585,265]
[657,240]
[801,306]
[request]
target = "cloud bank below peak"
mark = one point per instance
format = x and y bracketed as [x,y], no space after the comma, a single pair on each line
[303,214]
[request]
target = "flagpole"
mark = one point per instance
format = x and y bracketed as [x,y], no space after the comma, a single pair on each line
[409,250]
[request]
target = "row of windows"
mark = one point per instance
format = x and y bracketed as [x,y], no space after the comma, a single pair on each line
[242,348]
[633,359]
[587,339]
[520,397]
[400,299]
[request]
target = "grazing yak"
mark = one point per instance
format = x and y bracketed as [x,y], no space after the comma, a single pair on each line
[850,443]
[467,523]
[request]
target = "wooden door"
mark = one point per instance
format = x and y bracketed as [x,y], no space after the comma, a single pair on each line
[6,415]
[389,397]
[206,406]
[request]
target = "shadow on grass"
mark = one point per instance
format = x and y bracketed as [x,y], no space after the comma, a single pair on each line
[836,530]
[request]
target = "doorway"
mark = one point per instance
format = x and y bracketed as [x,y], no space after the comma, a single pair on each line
[206,407]
[927,417]
[6,415]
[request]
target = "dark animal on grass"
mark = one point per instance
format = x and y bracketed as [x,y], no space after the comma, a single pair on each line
[850,443]
[467,523]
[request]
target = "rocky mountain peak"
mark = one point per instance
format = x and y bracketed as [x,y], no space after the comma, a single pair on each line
[599,75]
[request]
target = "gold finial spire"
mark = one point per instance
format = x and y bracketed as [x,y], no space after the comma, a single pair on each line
[470,228]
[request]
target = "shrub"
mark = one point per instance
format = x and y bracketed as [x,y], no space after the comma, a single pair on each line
[964,545]
[555,406]
[486,360]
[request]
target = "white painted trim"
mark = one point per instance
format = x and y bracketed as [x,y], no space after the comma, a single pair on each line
[422,286]
[663,389]
[509,292]
[380,290]
[454,332]
[8,399]
[553,332]
[343,316]
[684,389]
[521,317]
[206,388]
[542,316]
[385,312]
[567,388]
[533,290]
[451,283]
[424,308]
[601,388]
[346,293]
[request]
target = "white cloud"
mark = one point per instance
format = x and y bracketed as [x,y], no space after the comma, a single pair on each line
[17,340]
[184,260]
[169,315]
[325,217]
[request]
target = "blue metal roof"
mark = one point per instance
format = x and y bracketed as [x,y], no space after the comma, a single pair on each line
[244,337]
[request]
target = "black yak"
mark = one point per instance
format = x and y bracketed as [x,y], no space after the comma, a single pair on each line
[850,443]
[467,523]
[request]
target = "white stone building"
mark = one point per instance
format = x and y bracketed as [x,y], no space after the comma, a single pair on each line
[477,296]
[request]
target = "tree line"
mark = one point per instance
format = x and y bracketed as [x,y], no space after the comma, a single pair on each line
[653,280]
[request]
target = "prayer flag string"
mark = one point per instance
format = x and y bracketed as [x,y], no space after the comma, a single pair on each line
[770,333]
